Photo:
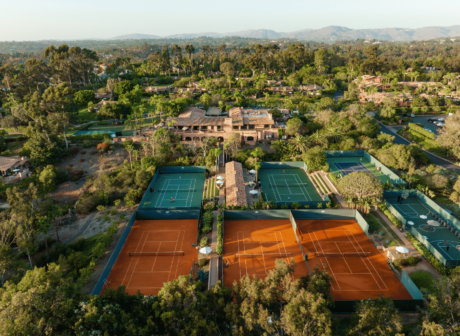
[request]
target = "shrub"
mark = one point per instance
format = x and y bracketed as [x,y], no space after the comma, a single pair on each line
[429,256]
[202,262]
[437,181]
[392,243]
[424,280]
[296,205]
[209,206]
[206,222]
[319,205]
[430,169]
[204,242]
[422,131]
[390,216]
[73,151]
[284,206]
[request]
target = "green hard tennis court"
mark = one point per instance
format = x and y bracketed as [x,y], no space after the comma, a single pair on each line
[346,165]
[175,191]
[105,129]
[412,210]
[288,186]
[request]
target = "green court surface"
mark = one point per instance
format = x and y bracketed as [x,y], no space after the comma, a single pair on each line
[345,165]
[438,236]
[288,186]
[186,190]
[105,129]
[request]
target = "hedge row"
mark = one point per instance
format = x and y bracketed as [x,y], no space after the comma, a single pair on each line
[429,256]
[14,139]
[89,137]
[206,222]
[220,234]
[423,131]
[387,213]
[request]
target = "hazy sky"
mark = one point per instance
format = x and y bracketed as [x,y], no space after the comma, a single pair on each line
[72,19]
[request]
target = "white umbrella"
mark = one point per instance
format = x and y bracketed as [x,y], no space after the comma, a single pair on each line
[433,223]
[423,217]
[254,192]
[402,249]
[252,171]
[220,178]
[410,223]
[205,250]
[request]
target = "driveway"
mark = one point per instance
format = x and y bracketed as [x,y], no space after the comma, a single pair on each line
[434,158]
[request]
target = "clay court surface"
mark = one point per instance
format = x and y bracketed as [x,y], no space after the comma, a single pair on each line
[148,273]
[251,247]
[355,277]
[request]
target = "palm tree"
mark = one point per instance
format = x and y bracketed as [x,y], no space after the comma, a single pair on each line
[334,134]
[300,143]
[206,99]
[278,145]
[319,139]
[129,122]
[130,149]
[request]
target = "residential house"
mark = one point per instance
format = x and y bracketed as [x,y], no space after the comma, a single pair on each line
[11,164]
[158,89]
[284,90]
[235,190]
[312,89]
[251,125]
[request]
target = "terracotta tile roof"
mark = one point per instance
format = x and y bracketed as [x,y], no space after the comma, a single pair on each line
[194,112]
[198,121]
[235,189]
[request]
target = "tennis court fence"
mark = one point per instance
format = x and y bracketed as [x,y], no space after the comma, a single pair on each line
[174,190]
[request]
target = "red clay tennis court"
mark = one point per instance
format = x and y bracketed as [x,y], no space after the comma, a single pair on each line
[251,247]
[342,248]
[155,252]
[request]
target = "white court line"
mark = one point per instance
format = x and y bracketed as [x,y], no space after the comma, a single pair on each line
[137,260]
[364,260]
[142,235]
[272,184]
[239,263]
[161,197]
[343,258]
[174,257]
[327,261]
[299,181]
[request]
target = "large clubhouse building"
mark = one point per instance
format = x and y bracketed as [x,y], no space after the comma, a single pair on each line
[252,125]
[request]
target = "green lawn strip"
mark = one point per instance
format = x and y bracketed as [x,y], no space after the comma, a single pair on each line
[324,184]
[205,188]
[424,280]
[318,184]
[216,190]
[380,220]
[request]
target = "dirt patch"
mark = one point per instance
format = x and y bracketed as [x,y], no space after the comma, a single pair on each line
[103,262]
[68,231]
[423,266]
[70,192]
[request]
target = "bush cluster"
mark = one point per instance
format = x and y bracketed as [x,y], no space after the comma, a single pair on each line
[423,131]
[429,256]
[204,242]
[220,234]
[387,213]
[206,222]
[409,261]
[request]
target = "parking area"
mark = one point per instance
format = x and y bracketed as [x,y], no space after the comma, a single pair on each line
[426,124]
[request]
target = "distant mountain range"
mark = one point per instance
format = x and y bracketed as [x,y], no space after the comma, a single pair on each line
[328,34]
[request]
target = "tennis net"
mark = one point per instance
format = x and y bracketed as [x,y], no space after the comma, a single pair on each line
[156,254]
[338,254]
[263,255]
[292,184]
[174,190]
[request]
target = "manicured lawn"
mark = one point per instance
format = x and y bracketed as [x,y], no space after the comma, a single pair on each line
[424,280]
